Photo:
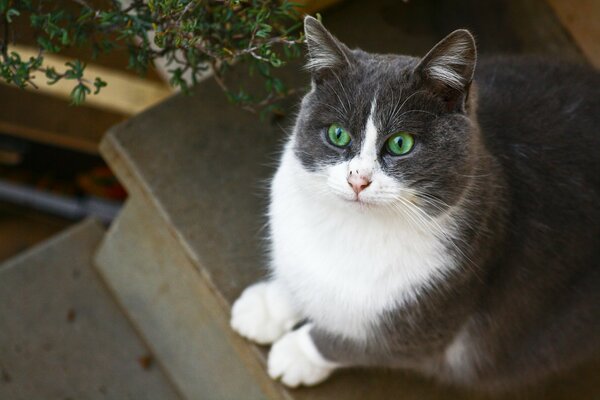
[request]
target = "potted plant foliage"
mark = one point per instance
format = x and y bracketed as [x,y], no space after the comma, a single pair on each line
[187,37]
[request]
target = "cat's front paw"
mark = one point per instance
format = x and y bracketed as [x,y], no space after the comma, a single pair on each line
[263,313]
[296,361]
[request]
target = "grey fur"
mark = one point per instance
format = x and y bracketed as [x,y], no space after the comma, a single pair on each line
[519,150]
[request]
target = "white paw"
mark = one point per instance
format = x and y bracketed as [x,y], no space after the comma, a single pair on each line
[296,361]
[263,313]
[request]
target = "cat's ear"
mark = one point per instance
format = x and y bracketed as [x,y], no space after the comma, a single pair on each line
[448,68]
[325,52]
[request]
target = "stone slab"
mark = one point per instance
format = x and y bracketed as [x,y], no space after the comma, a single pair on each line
[204,163]
[184,324]
[62,336]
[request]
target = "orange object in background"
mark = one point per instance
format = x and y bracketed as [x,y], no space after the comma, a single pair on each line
[101,182]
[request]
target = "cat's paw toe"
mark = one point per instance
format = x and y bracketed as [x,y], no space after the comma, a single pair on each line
[262,313]
[295,360]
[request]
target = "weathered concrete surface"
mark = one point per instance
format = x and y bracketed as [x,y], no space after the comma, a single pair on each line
[202,165]
[183,321]
[62,336]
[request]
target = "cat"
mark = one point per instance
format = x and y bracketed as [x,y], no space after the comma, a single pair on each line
[430,215]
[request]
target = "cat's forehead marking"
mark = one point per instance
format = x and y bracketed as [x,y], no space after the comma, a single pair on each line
[368,151]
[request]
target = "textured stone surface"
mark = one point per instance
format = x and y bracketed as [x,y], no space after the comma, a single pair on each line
[183,322]
[62,336]
[203,163]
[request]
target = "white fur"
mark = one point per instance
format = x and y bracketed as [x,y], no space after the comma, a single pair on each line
[322,58]
[365,164]
[456,353]
[443,67]
[263,313]
[339,258]
[346,262]
[461,355]
[296,361]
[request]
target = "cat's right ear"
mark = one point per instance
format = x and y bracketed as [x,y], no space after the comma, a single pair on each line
[325,52]
[448,68]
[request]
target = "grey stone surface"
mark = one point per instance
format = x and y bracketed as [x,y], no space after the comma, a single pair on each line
[61,334]
[168,301]
[204,164]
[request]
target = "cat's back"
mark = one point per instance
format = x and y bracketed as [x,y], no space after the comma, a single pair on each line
[541,120]
[537,101]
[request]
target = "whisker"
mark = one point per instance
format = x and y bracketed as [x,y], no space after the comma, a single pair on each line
[344,90]
[427,222]
[396,111]
[417,111]
[333,108]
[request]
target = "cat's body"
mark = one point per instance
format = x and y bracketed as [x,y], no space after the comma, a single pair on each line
[474,257]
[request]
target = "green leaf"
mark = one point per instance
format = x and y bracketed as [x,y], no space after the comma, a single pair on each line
[78,94]
[99,84]
[47,45]
[12,12]
[52,75]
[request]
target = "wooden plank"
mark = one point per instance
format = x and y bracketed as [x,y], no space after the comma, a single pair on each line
[582,19]
[125,93]
[49,120]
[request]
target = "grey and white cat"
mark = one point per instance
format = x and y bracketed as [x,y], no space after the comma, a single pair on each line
[433,217]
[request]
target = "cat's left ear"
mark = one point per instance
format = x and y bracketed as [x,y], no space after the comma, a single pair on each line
[325,53]
[448,68]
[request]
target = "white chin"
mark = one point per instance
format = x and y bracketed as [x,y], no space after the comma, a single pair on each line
[359,200]
[346,197]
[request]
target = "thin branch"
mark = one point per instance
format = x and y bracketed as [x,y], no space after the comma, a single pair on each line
[217,77]
[185,10]
[269,100]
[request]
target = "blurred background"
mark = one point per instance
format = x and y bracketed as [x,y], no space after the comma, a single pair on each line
[53,175]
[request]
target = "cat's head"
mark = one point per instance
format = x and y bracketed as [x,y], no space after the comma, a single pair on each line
[384,130]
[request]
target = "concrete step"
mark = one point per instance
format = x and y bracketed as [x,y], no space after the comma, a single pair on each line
[168,300]
[62,336]
[190,238]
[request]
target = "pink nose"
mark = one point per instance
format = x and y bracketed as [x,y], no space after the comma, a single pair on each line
[358,182]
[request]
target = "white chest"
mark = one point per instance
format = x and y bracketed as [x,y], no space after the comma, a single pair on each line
[345,270]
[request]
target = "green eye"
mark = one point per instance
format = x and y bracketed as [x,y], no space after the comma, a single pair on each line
[338,136]
[400,143]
